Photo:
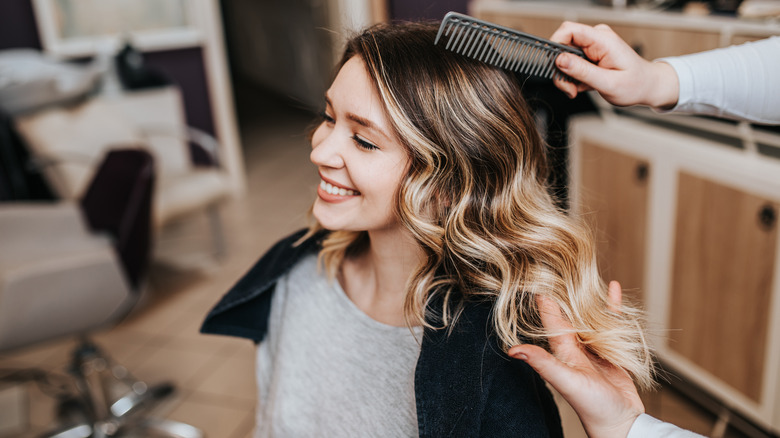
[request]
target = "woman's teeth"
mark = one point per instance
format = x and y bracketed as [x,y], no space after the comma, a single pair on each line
[337,190]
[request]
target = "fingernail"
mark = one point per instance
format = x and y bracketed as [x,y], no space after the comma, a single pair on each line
[563,61]
[521,356]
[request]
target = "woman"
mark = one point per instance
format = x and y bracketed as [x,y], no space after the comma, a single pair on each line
[437,236]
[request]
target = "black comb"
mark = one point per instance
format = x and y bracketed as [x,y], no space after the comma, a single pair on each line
[503,47]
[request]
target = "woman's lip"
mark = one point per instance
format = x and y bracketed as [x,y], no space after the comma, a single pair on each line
[335,184]
[330,197]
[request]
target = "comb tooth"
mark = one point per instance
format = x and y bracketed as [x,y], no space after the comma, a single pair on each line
[553,67]
[525,59]
[531,60]
[505,47]
[497,42]
[520,56]
[454,38]
[488,43]
[480,40]
[450,24]
[465,35]
[510,53]
[468,35]
[546,64]
[539,64]
[473,39]
[444,29]
[486,37]
[549,64]
[538,61]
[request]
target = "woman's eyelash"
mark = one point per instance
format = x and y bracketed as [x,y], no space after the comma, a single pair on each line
[363,143]
[326,117]
[359,141]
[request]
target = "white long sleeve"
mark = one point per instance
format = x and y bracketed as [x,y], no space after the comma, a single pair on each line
[646,426]
[738,82]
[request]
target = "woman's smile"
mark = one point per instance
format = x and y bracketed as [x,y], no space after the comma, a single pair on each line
[330,191]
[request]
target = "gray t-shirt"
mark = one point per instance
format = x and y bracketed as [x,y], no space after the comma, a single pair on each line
[326,369]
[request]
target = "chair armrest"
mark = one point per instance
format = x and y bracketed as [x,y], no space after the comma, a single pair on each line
[207,142]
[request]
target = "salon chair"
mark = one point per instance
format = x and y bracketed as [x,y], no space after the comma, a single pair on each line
[67,141]
[70,268]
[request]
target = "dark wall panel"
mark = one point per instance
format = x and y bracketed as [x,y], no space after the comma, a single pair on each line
[185,68]
[17,25]
[424,9]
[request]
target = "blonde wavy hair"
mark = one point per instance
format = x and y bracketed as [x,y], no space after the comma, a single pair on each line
[476,200]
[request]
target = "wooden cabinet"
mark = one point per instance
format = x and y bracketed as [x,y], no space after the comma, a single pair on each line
[653,34]
[614,201]
[656,42]
[724,261]
[693,224]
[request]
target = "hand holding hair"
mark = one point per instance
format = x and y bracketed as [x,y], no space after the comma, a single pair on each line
[603,395]
[617,73]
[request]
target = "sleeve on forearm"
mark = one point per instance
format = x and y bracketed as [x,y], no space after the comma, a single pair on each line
[738,82]
[646,426]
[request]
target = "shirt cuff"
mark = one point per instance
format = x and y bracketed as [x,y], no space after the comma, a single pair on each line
[646,426]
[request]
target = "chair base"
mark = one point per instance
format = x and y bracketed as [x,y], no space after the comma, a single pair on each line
[95,410]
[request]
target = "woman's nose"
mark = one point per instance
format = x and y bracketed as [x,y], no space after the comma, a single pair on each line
[325,148]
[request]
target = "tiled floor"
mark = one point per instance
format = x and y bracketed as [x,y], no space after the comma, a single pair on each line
[160,340]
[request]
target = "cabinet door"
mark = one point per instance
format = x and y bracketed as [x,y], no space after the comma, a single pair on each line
[614,196]
[725,244]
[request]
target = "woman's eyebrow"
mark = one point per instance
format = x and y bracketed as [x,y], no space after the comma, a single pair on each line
[362,121]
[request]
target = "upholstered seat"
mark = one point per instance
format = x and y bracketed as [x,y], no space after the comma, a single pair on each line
[72,267]
[67,142]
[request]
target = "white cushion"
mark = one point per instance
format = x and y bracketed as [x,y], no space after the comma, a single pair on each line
[75,138]
[179,194]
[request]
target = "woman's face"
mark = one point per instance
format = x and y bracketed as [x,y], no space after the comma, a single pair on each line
[360,160]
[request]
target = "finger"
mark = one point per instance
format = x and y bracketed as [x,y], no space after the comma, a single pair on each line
[569,88]
[575,34]
[583,71]
[583,87]
[562,377]
[563,341]
[563,35]
[615,294]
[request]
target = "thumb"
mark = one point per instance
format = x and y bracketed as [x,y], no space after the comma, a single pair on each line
[552,370]
[581,70]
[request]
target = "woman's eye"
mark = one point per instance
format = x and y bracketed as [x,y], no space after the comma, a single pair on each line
[327,118]
[363,143]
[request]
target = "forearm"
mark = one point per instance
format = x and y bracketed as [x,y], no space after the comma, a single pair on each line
[738,82]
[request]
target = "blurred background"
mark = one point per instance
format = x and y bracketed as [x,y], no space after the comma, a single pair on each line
[151,151]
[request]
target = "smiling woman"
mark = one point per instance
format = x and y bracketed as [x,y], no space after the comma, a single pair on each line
[438,235]
[357,155]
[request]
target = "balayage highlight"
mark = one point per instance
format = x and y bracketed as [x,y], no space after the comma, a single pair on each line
[475,199]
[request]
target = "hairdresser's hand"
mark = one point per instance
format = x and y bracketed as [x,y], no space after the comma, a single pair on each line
[603,396]
[618,73]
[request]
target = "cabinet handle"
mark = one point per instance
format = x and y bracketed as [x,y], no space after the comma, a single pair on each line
[767,217]
[642,172]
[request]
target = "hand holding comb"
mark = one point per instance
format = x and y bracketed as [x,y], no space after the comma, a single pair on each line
[503,47]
